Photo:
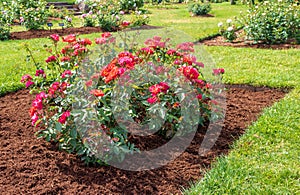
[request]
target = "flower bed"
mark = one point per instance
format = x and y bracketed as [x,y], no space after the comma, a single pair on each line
[39,167]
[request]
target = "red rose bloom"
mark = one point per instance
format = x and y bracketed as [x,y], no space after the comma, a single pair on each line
[97,92]
[51,59]
[63,118]
[85,42]
[70,38]
[106,35]
[55,37]
[152,100]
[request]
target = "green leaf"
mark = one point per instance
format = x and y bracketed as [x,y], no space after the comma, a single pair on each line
[73,133]
[58,126]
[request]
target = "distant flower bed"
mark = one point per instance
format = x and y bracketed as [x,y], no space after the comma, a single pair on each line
[34,15]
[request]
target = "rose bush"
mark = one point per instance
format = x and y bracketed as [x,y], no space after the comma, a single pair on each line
[110,16]
[199,9]
[131,5]
[33,14]
[272,21]
[228,30]
[4,24]
[30,13]
[79,100]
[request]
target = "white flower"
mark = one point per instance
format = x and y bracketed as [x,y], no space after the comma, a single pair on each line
[230,28]
[220,24]
[228,21]
[263,14]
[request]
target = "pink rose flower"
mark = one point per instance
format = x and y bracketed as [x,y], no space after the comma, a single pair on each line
[152,100]
[55,37]
[63,118]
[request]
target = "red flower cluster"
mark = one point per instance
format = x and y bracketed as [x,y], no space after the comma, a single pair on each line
[97,92]
[186,47]
[74,48]
[37,106]
[110,72]
[85,42]
[125,23]
[51,59]
[147,51]
[156,42]
[173,52]
[40,72]
[57,87]
[65,73]
[189,59]
[27,79]
[161,87]
[105,38]
[118,66]
[65,59]
[218,71]
[55,37]
[63,118]
[190,72]
[69,39]
[126,59]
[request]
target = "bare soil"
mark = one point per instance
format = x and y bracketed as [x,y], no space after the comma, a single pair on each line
[215,41]
[31,34]
[33,166]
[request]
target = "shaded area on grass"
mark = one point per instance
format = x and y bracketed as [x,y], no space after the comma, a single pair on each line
[28,165]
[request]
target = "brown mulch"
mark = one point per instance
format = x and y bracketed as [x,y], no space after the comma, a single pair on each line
[215,41]
[66,31]
[34,166]
[241,42]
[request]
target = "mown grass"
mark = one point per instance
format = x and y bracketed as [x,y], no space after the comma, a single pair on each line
[13,55]
[177,17]
[13,62]
[260,67]
[263,161]
[197,27]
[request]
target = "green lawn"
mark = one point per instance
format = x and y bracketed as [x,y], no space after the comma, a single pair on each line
[197,27]
[265,160]
[177,17]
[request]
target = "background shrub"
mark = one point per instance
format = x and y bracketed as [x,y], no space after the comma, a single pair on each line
[199,9]
[272,22]
[130,5]
[31,13]
[5,21]
[228,30]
